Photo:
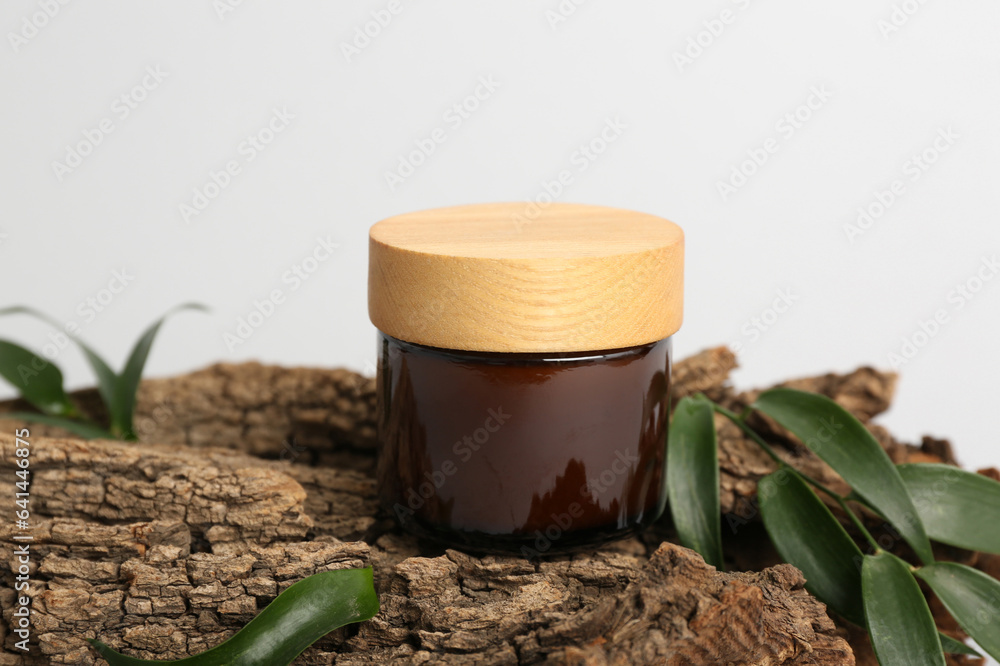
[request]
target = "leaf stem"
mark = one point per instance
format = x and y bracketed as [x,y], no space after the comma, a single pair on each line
[741,424]
[842,501]
[740,421]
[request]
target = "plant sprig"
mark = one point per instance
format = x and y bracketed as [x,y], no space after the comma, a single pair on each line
[39,381]
[876,590]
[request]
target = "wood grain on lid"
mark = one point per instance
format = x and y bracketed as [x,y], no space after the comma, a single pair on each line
[517,277]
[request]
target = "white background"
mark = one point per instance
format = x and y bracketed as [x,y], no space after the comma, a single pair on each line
[893,87]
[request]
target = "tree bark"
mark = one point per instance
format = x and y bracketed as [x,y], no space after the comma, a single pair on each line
[251,477]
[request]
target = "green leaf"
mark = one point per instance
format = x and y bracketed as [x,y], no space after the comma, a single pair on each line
[38,380]
[807,534]
[306,611]
[955,505]
[106,378]
[128,382]
[971,596]
[900,624]
[953,646]
[834,435]
[693,479]
[85,429]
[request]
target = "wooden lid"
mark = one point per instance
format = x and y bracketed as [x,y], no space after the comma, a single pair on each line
[520,277]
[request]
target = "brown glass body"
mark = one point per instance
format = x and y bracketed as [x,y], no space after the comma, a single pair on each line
[536,453]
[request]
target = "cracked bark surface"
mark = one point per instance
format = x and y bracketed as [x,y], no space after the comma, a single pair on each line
[270,411]
[251,477]
[177,585]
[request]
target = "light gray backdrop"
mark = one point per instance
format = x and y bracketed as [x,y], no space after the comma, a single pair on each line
[200,150]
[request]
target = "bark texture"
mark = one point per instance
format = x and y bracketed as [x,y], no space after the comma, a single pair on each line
[251,477]
[271,411]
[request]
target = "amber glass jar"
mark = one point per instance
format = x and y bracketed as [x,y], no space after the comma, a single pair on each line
[523,375]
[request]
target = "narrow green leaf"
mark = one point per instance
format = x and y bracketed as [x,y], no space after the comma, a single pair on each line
[954,505]
[106,377]
[834,435]
[85,429]
[900,624]
[972,597]
[306,611]
[807,535]
[38,380]
[693,479]
[127,384]
[953,646]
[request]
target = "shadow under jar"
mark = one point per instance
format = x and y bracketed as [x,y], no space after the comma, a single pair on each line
[523,375]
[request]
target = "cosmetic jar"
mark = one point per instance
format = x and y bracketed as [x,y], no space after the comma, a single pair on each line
[524,372]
